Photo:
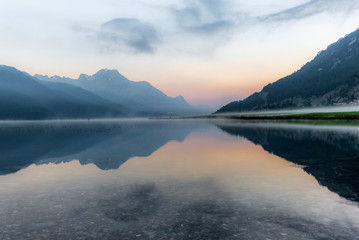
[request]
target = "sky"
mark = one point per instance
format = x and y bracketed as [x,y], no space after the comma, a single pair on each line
[209,51]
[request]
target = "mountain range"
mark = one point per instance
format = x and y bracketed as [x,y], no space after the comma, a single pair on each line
[141,97]
[106,94]
[23,97]
[331,78]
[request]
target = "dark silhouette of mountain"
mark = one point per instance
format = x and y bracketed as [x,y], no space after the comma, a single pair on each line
[104,143]
[22,97]
[140,96]
[331,156]
[83,95]
[332,77]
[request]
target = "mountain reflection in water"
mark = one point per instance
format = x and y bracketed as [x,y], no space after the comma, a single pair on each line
[107,144]
[330,154]
[177,180]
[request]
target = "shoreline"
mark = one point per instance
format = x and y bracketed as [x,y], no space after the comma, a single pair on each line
[299,116]
[309,118]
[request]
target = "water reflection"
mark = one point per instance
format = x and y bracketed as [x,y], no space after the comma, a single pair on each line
[206,184]
[330,154]
[107,144]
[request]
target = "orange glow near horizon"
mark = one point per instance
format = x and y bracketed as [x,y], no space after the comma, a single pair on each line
[233,74]
[207,68]
[205,85]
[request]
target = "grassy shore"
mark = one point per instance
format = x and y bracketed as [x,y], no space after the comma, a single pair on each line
[313,118]
[304,116]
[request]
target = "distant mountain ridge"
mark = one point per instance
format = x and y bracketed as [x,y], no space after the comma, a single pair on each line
[331,78]
[22,97]
[106,94]
[139,96]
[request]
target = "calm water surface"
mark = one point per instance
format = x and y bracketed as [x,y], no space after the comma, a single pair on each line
[148,179]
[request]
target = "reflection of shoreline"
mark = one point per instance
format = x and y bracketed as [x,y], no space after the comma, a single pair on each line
[210,186]
[106,144]
[330,155]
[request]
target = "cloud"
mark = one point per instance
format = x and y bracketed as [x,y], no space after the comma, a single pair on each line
[311,8]
[197,26]
[128,33]
[204,17]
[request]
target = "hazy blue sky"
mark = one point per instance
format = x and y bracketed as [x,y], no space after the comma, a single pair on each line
[209,51]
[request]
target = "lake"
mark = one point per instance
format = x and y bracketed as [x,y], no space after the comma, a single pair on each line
[178,179]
